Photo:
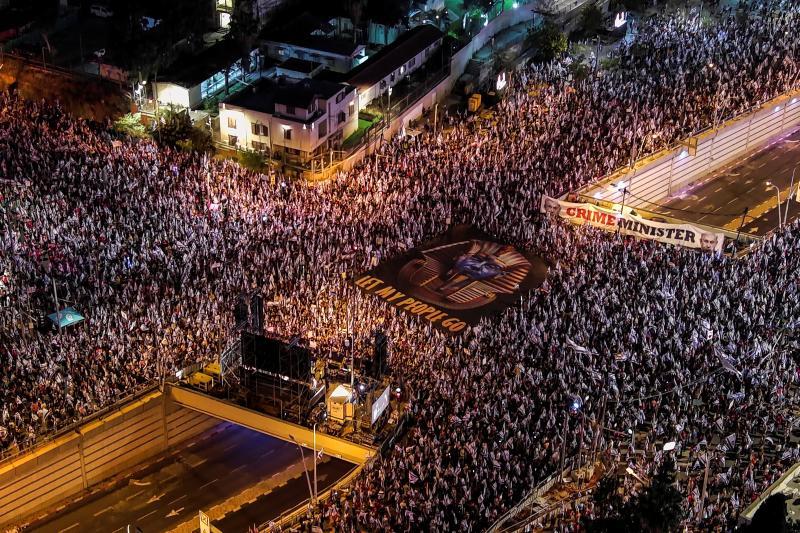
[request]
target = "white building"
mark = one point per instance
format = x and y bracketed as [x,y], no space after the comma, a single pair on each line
[394,62]
[190,80]
[337,55]
[291,120]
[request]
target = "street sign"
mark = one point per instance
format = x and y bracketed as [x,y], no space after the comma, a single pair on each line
[205,523]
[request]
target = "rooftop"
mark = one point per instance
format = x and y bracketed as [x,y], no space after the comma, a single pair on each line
[341,47]
[264,94]
[393,56]
[190,70]
[299,65]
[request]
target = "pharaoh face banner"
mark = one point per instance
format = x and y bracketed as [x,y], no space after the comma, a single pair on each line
[456,279]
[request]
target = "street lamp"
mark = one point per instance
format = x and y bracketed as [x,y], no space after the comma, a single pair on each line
[789,196]
[303,456]
[389,110]
[778,195]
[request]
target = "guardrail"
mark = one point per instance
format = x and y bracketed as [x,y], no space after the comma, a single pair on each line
[56,432]
[294,516]
[660,174]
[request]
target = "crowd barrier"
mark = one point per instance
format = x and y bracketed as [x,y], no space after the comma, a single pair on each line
[665,173]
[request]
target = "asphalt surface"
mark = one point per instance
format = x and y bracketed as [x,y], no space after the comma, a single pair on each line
[196,478]
[721,198]
[271,505]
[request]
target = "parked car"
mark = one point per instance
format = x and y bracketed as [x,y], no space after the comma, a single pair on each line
[99,10]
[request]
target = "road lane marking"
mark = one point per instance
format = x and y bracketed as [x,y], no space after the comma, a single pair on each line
[195,465]
[132,496]
[176,500]
[229,447]
[145,516]
[98,513]
[156,497]
[267,453]
[209,483]
[76,524]
[238,468]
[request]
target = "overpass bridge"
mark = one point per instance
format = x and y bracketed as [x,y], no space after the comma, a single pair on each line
[275,427]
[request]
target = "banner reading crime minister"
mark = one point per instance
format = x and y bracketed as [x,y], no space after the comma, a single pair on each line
[456,279]
[680,234]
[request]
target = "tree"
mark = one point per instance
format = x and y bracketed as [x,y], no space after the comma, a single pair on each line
[244,31]
[131,124]
[173,125]
[549,41]
[770,516]
[659,507]
[252,160]
[591,20]
[355,10]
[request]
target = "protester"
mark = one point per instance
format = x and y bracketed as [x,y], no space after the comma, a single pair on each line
[155,246]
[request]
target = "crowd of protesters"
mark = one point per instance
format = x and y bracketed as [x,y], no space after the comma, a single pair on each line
[155,246]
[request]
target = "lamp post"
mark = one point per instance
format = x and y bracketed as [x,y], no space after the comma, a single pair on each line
[315,464]
[308,479]
[791,188]
[389,111]
[778,196]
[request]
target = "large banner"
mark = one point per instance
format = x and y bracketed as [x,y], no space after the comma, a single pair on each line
[628,224]
[456,279]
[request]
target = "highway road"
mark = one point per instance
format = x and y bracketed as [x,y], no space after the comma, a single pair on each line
[209,473]
[721,198]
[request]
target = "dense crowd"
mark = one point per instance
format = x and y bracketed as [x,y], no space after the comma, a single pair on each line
[155,246]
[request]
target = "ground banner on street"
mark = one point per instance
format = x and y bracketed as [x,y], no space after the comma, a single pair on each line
[628,224]
[456,279]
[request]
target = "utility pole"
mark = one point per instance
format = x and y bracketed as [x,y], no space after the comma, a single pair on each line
[308,479]
[55,299]
[705,484]
[316,494]
[741,224]
[563,446]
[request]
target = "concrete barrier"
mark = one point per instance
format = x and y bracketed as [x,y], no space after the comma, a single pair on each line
[665,173]
[334,446]
[74,462]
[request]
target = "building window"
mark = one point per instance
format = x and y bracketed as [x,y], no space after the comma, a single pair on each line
[339,97]
[412,62]
[383,84]
[260,129]
[259,146]
[323,129]
[233,140]
[287,134]
[232,123]
[391,78]
[290,109]
[342,117]
[351,109]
